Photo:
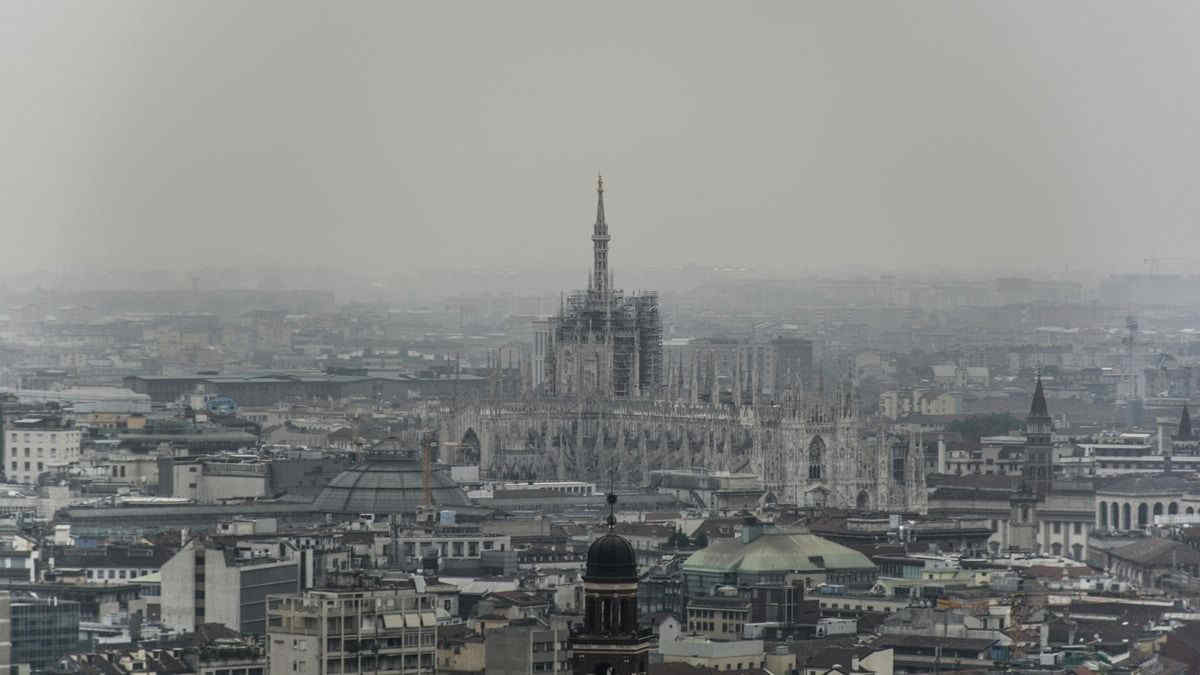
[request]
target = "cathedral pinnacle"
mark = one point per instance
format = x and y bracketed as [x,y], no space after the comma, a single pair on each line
[600,239]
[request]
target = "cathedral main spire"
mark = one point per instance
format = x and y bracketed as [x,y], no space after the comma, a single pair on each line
[600,240]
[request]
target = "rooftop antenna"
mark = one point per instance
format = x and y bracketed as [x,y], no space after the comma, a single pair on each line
[427,473]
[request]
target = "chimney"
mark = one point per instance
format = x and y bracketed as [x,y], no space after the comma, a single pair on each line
[751,529]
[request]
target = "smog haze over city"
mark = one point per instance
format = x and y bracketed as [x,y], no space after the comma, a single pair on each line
[601,338]
[388,139]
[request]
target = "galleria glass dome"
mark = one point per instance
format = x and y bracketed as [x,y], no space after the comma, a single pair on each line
[388,482]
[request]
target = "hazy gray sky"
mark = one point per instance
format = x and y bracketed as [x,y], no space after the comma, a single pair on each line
[398,134]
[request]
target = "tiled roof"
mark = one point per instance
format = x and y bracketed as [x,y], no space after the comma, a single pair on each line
[1156,552]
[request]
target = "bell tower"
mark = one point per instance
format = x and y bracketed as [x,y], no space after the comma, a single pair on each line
[1038,470]
[610,641]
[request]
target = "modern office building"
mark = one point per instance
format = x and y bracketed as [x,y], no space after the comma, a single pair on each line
[42,630]
[227,580]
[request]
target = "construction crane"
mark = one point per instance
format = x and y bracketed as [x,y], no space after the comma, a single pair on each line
[1155,263]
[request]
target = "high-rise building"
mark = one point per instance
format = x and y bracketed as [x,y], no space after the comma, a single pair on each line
[226,580]
[611,642]
[792,364]
[42,629]
[602,343]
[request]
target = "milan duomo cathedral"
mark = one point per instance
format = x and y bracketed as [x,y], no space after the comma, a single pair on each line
[606,409]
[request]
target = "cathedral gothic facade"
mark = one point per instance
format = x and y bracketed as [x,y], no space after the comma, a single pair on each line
[603,409]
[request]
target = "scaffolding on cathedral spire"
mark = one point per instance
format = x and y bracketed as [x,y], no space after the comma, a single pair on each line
[600,241]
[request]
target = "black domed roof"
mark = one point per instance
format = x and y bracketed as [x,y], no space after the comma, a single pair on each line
[611,558]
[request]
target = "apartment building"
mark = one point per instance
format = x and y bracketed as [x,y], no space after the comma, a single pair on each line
[34,445]
[357,625]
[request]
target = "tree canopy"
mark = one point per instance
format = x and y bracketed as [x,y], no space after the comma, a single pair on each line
[974,427]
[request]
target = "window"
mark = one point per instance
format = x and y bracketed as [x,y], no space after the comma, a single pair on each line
[1078,528]
[816,456]
[1057,527]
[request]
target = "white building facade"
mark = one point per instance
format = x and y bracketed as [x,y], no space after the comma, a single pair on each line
[33,446]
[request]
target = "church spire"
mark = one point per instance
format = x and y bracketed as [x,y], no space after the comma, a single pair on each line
[600,204]
[600,240]
[1185,425]
[1039,409]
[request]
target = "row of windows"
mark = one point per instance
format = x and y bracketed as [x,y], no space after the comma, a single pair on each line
[455,549]
[116,574]
[859,607]
[40,434]
[235,671]
[1077,527]
[710,614]
[41,452]
[40,466]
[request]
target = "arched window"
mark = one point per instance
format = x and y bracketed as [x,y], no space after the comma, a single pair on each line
[469,447]
[1104,515]
[1158,508]
[1056,548]
[1125,516]
[1143,514]
[1116,516]
[816,458]
[1173,508]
